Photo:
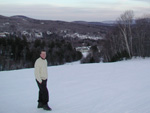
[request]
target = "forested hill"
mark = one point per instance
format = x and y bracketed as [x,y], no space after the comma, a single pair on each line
[22,25]
[21,38]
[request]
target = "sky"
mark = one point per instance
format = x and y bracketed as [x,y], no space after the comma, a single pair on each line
[74,10]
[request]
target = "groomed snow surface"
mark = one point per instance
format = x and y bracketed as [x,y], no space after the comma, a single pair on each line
[120,87]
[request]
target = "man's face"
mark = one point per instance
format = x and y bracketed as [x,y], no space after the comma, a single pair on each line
[43,54]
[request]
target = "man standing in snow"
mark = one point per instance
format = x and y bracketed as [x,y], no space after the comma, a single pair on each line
[41,76]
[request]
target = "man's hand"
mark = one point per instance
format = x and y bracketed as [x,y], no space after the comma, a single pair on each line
[40,82]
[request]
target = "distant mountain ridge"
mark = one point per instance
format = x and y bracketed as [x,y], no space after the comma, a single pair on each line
[22,24]
[104,23]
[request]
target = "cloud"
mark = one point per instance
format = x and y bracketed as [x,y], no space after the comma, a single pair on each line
[48,12]
[66,13]
[142,0]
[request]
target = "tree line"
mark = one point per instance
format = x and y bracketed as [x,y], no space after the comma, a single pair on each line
[17,52]
[130,37]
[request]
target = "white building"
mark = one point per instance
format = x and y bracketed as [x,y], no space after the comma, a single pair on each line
[39,35]
[2,35]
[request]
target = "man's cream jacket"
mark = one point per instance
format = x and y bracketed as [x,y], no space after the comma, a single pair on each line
[40,70]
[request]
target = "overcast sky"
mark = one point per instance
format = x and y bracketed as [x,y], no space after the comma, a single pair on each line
[73,10]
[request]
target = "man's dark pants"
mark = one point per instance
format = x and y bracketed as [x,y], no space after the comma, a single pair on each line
[43,92]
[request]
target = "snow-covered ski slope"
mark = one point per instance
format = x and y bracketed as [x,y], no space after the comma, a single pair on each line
[120,87]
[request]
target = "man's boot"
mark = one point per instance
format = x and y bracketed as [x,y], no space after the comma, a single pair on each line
[46,107]
[40,105]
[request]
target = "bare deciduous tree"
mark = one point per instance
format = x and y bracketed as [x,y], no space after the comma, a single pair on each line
[124,23]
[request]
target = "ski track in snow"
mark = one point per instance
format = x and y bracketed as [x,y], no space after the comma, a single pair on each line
[120,87]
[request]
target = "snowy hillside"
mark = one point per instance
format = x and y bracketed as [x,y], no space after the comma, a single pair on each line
[121,87]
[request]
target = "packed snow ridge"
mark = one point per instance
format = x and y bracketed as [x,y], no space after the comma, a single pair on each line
[120,87]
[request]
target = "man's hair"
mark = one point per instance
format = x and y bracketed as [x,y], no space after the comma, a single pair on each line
[42,51]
